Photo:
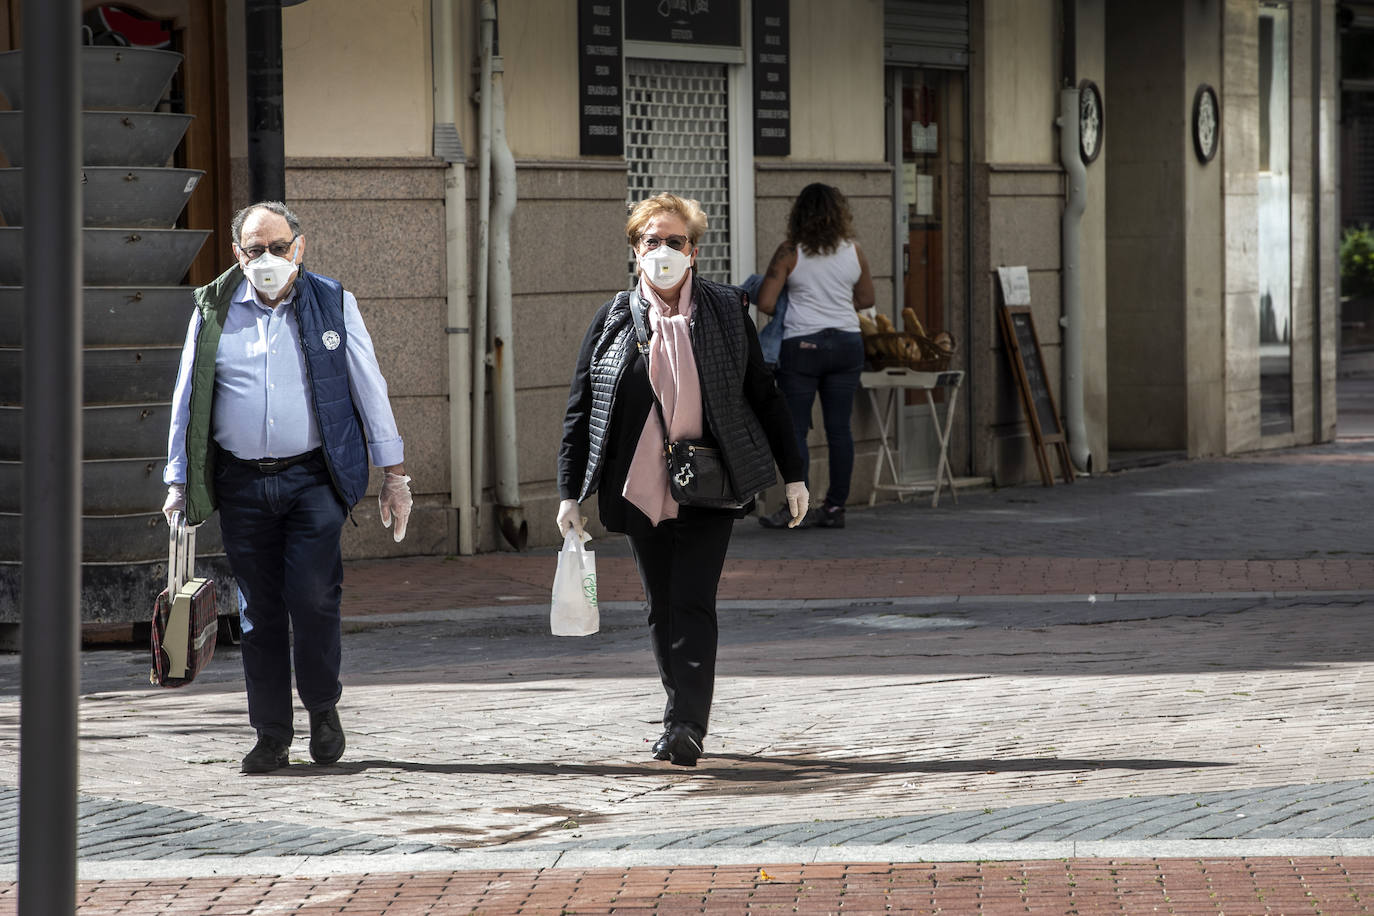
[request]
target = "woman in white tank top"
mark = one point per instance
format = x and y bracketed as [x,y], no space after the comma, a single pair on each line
[827,280]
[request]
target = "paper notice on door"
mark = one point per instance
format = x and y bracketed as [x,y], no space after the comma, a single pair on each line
[925,195]
[909,184]
[925,138]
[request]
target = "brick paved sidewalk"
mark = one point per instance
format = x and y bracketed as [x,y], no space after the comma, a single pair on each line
[438,583]
[1329,886]
[1202,706]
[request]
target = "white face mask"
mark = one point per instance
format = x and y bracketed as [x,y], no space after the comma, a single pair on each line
[269,274]
[664,267]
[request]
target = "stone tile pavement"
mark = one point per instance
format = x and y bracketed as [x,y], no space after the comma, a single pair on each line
[1147,690]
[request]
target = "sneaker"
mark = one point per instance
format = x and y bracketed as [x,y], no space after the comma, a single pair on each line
[778,519]
[829,516]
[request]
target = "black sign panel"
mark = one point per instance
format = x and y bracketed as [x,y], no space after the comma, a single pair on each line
[772,79]
[600,77]
[693,22]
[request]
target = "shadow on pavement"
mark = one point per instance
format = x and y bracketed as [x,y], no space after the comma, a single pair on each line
[754,768]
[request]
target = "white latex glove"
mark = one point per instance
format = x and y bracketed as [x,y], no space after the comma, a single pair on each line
[798,501]
[570,516]
[394,501]
[176,501]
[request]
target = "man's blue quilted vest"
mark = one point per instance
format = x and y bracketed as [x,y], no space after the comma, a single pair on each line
[320,316]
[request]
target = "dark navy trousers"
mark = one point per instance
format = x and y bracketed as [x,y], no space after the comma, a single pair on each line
[281,534]
[827,363]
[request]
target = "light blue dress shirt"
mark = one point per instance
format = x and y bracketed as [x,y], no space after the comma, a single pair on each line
[262,393]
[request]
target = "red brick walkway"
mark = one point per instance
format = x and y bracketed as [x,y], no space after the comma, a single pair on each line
[1329,886]
[437,583]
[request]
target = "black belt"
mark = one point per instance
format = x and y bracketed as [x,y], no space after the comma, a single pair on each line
[272,465]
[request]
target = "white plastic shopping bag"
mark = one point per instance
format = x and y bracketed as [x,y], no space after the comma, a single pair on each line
[574,611]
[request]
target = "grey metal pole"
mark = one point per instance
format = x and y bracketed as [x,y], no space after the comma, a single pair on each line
[266,120]
[51,496]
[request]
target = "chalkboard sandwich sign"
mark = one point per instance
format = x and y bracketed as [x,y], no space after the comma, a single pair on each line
[1028,368]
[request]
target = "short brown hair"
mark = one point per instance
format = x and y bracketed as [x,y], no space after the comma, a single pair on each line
[684,208]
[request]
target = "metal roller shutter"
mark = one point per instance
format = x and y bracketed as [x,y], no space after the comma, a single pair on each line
[677,140]
[926,33]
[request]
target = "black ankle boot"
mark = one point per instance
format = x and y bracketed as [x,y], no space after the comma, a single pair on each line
[660,748]
[683,744]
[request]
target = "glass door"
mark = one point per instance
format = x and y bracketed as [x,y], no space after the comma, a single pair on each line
[927,126]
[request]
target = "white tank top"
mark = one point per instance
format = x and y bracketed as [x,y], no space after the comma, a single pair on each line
[820,292]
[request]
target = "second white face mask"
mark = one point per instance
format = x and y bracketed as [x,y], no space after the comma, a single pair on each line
[269,274]
[664,267]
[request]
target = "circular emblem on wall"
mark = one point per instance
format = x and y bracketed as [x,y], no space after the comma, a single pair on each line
[1206,123]
[331,340]
[1090,121]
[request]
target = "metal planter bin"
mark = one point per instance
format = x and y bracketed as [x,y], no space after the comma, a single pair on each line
[113,316]
[114,196]
[134,321]
[125,138]
[112,78]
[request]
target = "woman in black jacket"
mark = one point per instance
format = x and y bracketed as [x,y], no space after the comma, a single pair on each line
[711,383]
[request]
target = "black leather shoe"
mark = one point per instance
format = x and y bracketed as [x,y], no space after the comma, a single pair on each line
[683,745]
[267,755]
[660,748]
[326,736]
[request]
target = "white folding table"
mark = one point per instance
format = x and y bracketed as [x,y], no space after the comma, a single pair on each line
[893,382]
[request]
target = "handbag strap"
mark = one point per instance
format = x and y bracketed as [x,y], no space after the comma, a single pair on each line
[636,300]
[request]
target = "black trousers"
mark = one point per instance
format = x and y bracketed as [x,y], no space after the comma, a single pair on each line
[680,562]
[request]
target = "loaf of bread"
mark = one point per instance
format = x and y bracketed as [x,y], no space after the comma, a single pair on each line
[913,324]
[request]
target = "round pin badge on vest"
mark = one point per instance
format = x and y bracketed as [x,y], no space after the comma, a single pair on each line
[331,340]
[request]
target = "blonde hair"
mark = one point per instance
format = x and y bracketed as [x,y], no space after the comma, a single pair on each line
[684,208]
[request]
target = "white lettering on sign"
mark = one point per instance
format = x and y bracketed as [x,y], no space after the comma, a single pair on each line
[609,111]
[603,130]
[595,89]
[772,40]
[601,70]
[773,132]
[772,58]
[773,114]
[772,95]
[772,21]
[601,50]
[600,9]
[667,8]
[602,31]
[773,77]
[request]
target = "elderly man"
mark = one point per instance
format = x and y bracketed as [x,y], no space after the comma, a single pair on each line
[278,406]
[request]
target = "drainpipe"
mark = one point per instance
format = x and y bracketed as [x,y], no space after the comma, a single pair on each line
[448,146]
[486,37]
[510,517]
[1071,283]
[1317,251]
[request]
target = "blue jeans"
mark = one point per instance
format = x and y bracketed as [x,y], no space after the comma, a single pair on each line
[281,534]
[828,363]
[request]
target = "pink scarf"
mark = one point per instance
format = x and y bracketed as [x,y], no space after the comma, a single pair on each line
[673,377]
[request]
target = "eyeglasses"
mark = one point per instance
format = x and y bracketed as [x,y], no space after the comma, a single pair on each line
[278,249]
[675,242]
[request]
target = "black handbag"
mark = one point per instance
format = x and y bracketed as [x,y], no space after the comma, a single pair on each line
[696,468]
